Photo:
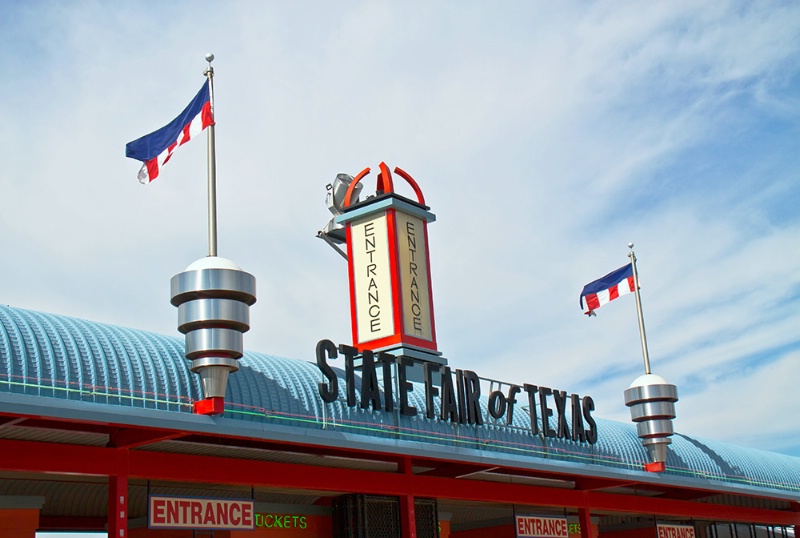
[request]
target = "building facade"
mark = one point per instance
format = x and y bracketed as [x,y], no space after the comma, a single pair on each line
[97,431]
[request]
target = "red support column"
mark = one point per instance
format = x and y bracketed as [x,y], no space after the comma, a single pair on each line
[118,498]
[408,516]
[585,520]
[408,512]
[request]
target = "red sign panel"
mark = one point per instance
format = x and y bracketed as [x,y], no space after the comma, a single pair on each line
[193,513]
[675,531]
[542,527]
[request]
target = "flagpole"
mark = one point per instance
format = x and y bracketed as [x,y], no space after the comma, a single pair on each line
[212,166]
[642,335]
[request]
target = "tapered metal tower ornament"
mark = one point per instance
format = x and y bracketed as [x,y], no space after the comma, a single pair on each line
[213,296]
[650,398]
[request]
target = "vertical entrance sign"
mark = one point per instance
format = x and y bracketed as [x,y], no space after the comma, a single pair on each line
[414,282]
[371,283]
[391,301]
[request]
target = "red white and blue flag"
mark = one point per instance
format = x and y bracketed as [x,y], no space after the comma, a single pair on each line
[155,149]
[606,289]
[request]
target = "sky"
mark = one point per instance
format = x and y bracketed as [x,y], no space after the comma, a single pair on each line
[545,136]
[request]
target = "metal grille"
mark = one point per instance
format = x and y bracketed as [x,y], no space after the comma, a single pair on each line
[382,517]
[368,516]
[427,518]
[346,517]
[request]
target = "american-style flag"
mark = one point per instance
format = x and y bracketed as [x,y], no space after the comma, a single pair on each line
[155,149]
[606,289]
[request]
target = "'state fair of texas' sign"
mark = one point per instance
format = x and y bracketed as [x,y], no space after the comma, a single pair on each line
[458,394]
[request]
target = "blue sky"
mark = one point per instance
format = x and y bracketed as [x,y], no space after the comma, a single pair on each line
[545,136]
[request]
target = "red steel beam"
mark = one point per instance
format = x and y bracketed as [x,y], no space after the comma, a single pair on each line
[456,470]
[183,468]
[69,425]
[137,437]
[589,483]
[33,456]
[313,450]
[672,507]
[10,421]
[30,456]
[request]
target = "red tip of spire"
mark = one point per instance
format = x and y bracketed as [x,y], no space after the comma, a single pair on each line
[655,467]
[209,406]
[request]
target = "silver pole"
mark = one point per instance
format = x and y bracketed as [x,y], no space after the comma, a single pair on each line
[642,335]
[212,166]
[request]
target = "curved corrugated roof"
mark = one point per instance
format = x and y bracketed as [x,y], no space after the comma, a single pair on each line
[60,357]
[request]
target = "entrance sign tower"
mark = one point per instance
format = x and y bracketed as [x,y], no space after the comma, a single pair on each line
[391,301]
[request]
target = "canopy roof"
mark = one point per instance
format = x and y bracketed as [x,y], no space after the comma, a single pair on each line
[119,375]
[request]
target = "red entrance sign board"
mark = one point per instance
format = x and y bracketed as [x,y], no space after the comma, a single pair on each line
[193,513]
[675,531]
[542,527]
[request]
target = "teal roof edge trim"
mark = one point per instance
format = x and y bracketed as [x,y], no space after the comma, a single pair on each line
[90,364]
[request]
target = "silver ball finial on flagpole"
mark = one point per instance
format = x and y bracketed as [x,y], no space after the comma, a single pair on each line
[209,71]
